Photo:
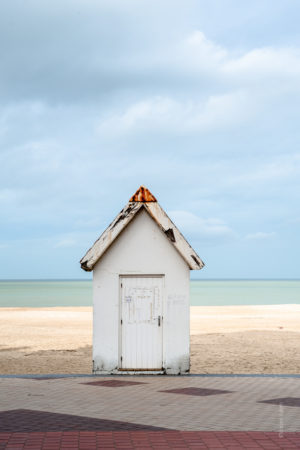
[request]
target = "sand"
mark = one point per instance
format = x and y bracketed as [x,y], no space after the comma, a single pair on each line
[224,339]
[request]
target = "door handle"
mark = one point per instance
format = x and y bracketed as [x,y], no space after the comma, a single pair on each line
[158,319]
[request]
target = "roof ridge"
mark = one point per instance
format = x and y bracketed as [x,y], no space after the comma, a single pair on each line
[143,195]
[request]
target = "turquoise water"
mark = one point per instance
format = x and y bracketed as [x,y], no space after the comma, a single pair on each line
[45,293]
[204,292]
[245,292]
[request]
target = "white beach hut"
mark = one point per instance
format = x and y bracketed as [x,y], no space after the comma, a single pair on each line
[141,267]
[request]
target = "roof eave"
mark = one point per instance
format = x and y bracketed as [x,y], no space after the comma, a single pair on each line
[180,243]
[111,233]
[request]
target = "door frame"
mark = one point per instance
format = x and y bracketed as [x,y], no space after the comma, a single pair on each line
[139,275]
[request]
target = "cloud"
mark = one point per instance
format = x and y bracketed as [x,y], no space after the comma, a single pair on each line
[188,98]
[198,55]
[281,167]
[205,47]
[260,235]
[162,114]
[201,229]
[208,88]
[266,63]
[110,48]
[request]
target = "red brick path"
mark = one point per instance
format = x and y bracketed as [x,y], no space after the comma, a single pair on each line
[88,440]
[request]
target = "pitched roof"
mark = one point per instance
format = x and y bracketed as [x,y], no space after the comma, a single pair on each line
[141,199]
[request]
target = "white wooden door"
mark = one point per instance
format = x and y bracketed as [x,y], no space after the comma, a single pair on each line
[141,323]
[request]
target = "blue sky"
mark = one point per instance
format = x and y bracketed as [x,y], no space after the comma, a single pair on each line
[197,100]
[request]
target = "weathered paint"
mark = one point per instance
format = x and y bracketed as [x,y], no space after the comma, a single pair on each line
[109,235]
[180,243]
[153,208]
[141,249]
[141,329]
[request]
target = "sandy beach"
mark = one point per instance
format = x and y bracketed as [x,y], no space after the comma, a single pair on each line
[224,339]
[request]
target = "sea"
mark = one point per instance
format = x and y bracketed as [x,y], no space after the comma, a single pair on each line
[45,293]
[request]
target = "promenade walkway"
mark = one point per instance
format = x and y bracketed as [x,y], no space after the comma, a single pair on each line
[159,412]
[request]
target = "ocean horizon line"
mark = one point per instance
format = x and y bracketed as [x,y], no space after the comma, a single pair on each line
[192,279]
[206,291]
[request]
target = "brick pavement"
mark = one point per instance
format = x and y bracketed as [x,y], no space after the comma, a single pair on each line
[141,440]
[150,412]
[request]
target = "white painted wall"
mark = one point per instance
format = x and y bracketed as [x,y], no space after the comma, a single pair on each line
[142,248]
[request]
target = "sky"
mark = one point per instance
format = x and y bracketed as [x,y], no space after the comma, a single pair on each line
[197,100]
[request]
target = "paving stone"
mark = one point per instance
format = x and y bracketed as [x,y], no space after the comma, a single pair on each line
[113,383]
[33,421]
[285,401]
[143,404]
[196,391]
